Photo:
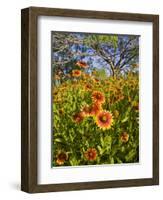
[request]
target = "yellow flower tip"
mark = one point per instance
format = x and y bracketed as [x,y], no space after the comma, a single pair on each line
[104,120]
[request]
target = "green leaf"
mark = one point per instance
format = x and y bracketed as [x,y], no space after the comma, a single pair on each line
[118,160]
[100,150]
[58,140]
[102,141]
[73,161]
[111,160]
[125,119]
[107,140]
[130,155]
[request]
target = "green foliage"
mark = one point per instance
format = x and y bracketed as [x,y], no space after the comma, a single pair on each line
[93,40]
[101,74]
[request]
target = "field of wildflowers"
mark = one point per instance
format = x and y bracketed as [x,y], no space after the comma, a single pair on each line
[95,116]
[96,121]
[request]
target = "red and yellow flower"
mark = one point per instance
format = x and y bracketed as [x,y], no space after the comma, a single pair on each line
[61,158]
[88,87]
[91,154]
[92,110]
[95,108]
[98,96]
[124,137]
[82,64]
[76,73]
[104,120]
[78,117]
[96,80]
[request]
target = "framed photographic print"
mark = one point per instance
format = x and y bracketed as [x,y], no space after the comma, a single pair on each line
[90,99]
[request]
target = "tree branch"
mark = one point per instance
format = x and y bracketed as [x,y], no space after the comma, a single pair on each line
[126,61]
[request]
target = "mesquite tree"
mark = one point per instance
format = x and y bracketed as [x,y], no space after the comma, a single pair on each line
[116,53]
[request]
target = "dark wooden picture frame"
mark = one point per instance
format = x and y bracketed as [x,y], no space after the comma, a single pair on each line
[29,87]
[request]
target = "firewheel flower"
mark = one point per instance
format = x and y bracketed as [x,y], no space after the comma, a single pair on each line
[61,157]
[95,80]
[91,154]
[82,64]
[95,109]
[124,137]
[91,110]
[98,96]
[76,73]
[78,117]
[88,87]
[104,120]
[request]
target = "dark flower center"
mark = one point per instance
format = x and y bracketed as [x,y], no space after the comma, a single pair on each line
[98,96]
[90,154]
[104,118]
[62,156]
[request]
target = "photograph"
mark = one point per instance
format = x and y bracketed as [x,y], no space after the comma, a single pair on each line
[95,99]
